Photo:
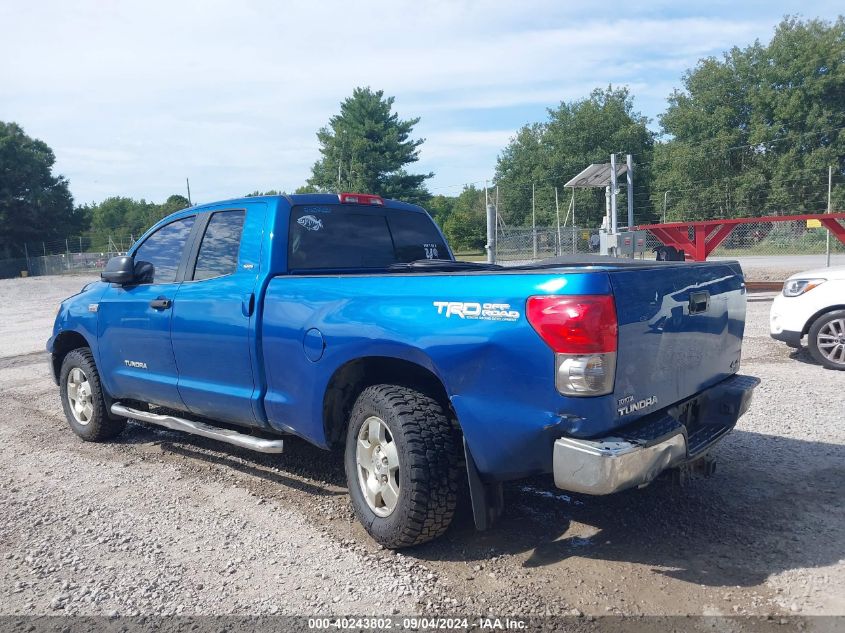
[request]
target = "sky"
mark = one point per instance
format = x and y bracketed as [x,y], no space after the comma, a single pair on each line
[135,97]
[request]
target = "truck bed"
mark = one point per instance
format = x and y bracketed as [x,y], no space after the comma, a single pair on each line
[498,372]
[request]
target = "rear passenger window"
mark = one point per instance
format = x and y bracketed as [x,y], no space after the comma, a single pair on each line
[163,249]
[218,254]
[415,237]
[338,236]
[322,238]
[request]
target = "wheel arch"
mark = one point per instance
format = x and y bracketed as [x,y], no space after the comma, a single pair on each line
[64,343]
[819,314]
[351,378]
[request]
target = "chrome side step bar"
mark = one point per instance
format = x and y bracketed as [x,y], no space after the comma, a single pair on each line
[200,428]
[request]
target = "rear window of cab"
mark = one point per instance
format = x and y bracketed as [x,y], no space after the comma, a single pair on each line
[344,236]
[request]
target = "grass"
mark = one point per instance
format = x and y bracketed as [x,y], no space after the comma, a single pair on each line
[471,256]
[764,248]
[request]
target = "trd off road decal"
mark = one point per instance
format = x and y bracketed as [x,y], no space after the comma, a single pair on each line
[476,310]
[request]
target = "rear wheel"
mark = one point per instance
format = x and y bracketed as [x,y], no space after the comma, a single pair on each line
[827,339]
[82,398]
[401,465]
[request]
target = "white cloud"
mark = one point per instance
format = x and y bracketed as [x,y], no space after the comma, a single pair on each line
[133,97]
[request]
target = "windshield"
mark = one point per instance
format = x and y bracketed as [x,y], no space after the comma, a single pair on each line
[347,236]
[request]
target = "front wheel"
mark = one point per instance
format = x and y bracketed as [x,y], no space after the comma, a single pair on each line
[401,465]
[826,340]
[82,398]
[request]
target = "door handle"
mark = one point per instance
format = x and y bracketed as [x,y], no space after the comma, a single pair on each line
[160,304]
[699,302]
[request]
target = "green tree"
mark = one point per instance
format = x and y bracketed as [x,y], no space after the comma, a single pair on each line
[754,132]
[174,203]
[466,224]
[440,207]
[365,149]
[122,217]
[271,192]
[35,205]
[576,134]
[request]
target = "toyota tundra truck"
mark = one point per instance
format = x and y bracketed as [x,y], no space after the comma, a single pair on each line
[344,319]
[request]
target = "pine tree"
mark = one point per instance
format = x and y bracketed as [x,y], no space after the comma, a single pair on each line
[365,149]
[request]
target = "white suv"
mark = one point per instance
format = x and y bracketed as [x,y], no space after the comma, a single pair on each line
[813,303]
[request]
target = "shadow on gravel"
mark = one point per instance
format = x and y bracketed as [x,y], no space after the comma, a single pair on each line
[300,458]
[737,528]
[802,355]
[773,505]
[271,476]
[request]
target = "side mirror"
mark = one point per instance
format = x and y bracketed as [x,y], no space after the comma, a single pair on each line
[119,270]
[144,272]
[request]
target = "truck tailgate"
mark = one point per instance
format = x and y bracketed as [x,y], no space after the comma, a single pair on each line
[680,331]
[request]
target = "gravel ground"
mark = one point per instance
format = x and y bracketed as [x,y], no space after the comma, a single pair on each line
[162,523]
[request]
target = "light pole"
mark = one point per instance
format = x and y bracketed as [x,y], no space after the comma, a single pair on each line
[829,210]
[665,194]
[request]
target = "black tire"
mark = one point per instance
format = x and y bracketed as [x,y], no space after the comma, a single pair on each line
[428,472]
[824,326]
[97,425]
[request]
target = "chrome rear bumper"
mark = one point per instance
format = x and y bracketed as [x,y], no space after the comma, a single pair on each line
[636,454]
[606,466]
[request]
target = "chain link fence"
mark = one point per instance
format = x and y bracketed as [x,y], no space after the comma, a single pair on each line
[777,238]
[523,245]
[756,239]
[515,246]
[73,255]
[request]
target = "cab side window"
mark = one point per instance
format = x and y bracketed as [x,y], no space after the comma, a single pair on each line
[163,249]
[218,254]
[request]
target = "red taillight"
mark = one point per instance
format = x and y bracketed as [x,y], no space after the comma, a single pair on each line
[575,324]
[360,198]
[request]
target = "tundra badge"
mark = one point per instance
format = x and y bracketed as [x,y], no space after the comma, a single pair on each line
[626,405]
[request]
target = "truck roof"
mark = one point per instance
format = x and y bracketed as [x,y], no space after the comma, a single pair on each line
[295,199]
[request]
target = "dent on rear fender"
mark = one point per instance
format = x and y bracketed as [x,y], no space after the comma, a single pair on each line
[507,439]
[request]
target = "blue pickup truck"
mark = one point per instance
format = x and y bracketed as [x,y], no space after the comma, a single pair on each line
[344,319]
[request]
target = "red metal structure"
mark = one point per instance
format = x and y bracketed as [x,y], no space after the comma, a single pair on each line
[708,234]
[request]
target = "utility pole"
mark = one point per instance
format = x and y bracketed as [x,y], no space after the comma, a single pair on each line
[497,209]
[829,210]
[341,146]
[533,221]
[557,213]
[491,233]
[665,195]
[613,219]
[188,182]
[630,164]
